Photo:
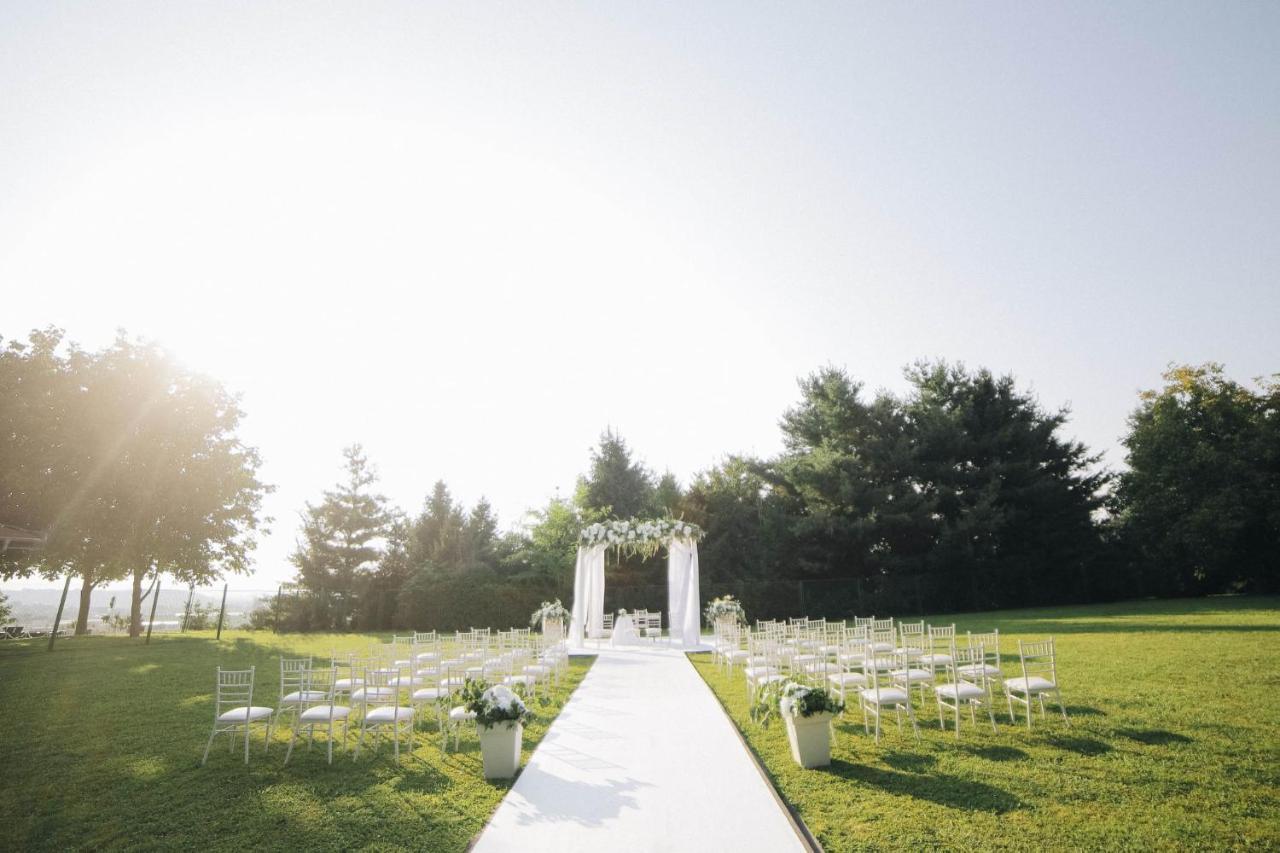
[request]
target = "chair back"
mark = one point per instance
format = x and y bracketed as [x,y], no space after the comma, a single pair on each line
[911,636]
[969,660]
[235,690]
[990,642]
[293,675]
[1039,659]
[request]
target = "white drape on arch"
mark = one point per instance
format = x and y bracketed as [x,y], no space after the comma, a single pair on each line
[588,595]
[684,611]
[684,607]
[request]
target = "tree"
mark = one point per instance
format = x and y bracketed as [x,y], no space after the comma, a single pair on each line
[128,462]
[6,612]
[1200,502]
[1012,502]
[342,539]
[616,484]
[746,520]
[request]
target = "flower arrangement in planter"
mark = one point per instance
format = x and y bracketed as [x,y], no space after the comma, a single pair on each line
[726,607]
[550,611]
[500,718]
[807,712]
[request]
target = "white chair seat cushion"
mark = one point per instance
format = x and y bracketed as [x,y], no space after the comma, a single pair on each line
[389,714]
[756,673]
[936,660]
[405,663]
[298,696]
[847,678]
[365,693]
[913,651]
[737,654]
[320,713]
[882,647]
[518,679]
[537,669]
[912,676]
[461,714]
[428,656]
[1034,684]
[963,690]
[347,683]
[974,669]
[406,681]
[888,696]
[239,715]
[429,694]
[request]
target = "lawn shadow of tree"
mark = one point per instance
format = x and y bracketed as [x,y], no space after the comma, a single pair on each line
[1085,711]
[940,788]
[1153,737]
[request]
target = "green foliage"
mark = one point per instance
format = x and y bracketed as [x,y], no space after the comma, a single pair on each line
[341,541]
[964,479]
[549,611]
[1200,502]
[129,462]
[136,756]
[6,612]
[1168,749]
[792,699]
[494,705]
[616,485]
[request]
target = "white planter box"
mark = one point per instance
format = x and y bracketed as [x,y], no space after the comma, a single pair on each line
[553,629]
[500,749]
[810,739]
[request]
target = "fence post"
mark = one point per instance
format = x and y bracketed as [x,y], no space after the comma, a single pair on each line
[57,621]
[275,626]
[152,621]
[186,616]
[222,611]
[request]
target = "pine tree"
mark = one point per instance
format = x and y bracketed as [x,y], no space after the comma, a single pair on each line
[343,538]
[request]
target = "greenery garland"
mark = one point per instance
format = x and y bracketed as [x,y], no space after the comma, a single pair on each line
[639,536]
[793,699]
[494,706]
[550,611]
[725,607]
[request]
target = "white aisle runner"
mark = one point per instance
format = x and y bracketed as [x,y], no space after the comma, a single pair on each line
[641,759]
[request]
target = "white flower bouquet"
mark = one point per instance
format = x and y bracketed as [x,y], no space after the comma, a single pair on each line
[496,705]
[725,607]
[550,611]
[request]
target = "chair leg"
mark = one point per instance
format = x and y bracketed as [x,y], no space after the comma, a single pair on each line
[208,746]
[246,740]
[1009,698]
[293,738]
[1063,708]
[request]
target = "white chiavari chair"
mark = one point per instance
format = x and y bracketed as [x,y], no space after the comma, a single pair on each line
[971,691]
[322,712]
[381,709]
[1038,662]
[233,710]
[879,694]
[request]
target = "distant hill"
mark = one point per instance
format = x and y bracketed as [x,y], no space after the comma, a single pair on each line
[40,606]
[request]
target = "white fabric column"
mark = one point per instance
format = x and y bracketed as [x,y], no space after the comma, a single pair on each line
[578,610]
[595,591]
[587,613]
[692,632]
[677,566]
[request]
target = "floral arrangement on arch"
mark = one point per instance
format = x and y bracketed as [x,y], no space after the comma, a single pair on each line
[725,607]
[494,706]
[792,699]
[550,611]
[638,536]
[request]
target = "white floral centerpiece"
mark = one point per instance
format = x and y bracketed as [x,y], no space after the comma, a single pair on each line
[725,607]
[807,712]
[550,611]
[500,717]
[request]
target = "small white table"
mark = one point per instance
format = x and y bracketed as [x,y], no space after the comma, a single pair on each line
[624,631]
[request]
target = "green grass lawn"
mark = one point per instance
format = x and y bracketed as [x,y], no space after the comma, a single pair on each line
[101,741]
[1174,742]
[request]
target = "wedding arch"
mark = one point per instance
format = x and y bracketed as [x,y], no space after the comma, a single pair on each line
[635,536]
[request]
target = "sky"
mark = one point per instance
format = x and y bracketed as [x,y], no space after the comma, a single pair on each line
[472,236]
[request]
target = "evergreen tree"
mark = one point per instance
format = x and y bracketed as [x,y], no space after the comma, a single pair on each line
[342,539]
[616,485]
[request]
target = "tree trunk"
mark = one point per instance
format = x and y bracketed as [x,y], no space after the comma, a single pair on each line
[82,616]
[135,606]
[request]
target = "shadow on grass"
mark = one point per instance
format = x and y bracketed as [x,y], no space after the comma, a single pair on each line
[1153,737]
[1080,745]
[1085,711]
[950,791]
[909,761]
[998,753]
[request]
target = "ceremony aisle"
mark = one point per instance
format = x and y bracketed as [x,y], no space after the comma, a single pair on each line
[641,758]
